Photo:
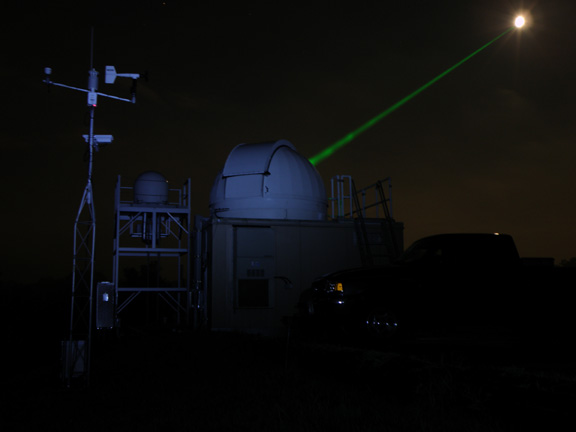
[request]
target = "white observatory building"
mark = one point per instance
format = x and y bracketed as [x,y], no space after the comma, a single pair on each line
[268,181]
[269,236]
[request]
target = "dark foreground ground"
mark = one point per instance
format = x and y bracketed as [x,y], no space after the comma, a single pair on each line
[185,381]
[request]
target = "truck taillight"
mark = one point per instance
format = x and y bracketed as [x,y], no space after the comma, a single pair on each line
[335,286]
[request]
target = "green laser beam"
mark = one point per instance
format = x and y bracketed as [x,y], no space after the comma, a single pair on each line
[345,140]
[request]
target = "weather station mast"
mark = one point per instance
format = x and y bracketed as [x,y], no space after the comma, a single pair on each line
[76,349]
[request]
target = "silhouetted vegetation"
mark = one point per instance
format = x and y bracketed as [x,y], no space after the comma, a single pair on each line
[218,382]
[165,380]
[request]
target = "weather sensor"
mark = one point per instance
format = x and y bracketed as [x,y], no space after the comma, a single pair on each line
[76,350]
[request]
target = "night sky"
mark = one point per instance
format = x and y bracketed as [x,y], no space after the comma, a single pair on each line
[488,148]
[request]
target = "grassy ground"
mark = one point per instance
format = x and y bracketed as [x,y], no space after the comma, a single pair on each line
[230,382]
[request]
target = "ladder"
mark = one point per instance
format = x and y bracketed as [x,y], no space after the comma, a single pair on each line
[367,206]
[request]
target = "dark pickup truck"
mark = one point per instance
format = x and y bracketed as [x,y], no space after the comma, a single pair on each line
[444,284]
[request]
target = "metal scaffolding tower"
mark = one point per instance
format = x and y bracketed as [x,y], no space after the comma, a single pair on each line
[154,231]
[76,350]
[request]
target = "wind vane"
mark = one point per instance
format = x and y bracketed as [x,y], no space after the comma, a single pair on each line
[76,350]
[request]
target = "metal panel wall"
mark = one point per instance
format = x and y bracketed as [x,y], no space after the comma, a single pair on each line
[258,268]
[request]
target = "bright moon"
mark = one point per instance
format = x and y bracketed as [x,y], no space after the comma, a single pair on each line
[519,22]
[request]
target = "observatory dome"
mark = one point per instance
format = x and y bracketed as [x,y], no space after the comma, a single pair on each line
[151,187]
[268,181]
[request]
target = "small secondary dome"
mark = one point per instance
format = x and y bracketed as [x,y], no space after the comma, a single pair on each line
[151,187]
[268,181]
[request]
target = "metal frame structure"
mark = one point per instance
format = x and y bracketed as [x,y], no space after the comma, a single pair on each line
[76,350]
[344,195]
[371,203]
[154,231]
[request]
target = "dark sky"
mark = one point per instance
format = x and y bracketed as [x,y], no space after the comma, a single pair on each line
[488,148]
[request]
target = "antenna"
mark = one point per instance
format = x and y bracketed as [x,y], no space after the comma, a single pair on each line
[76,350]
